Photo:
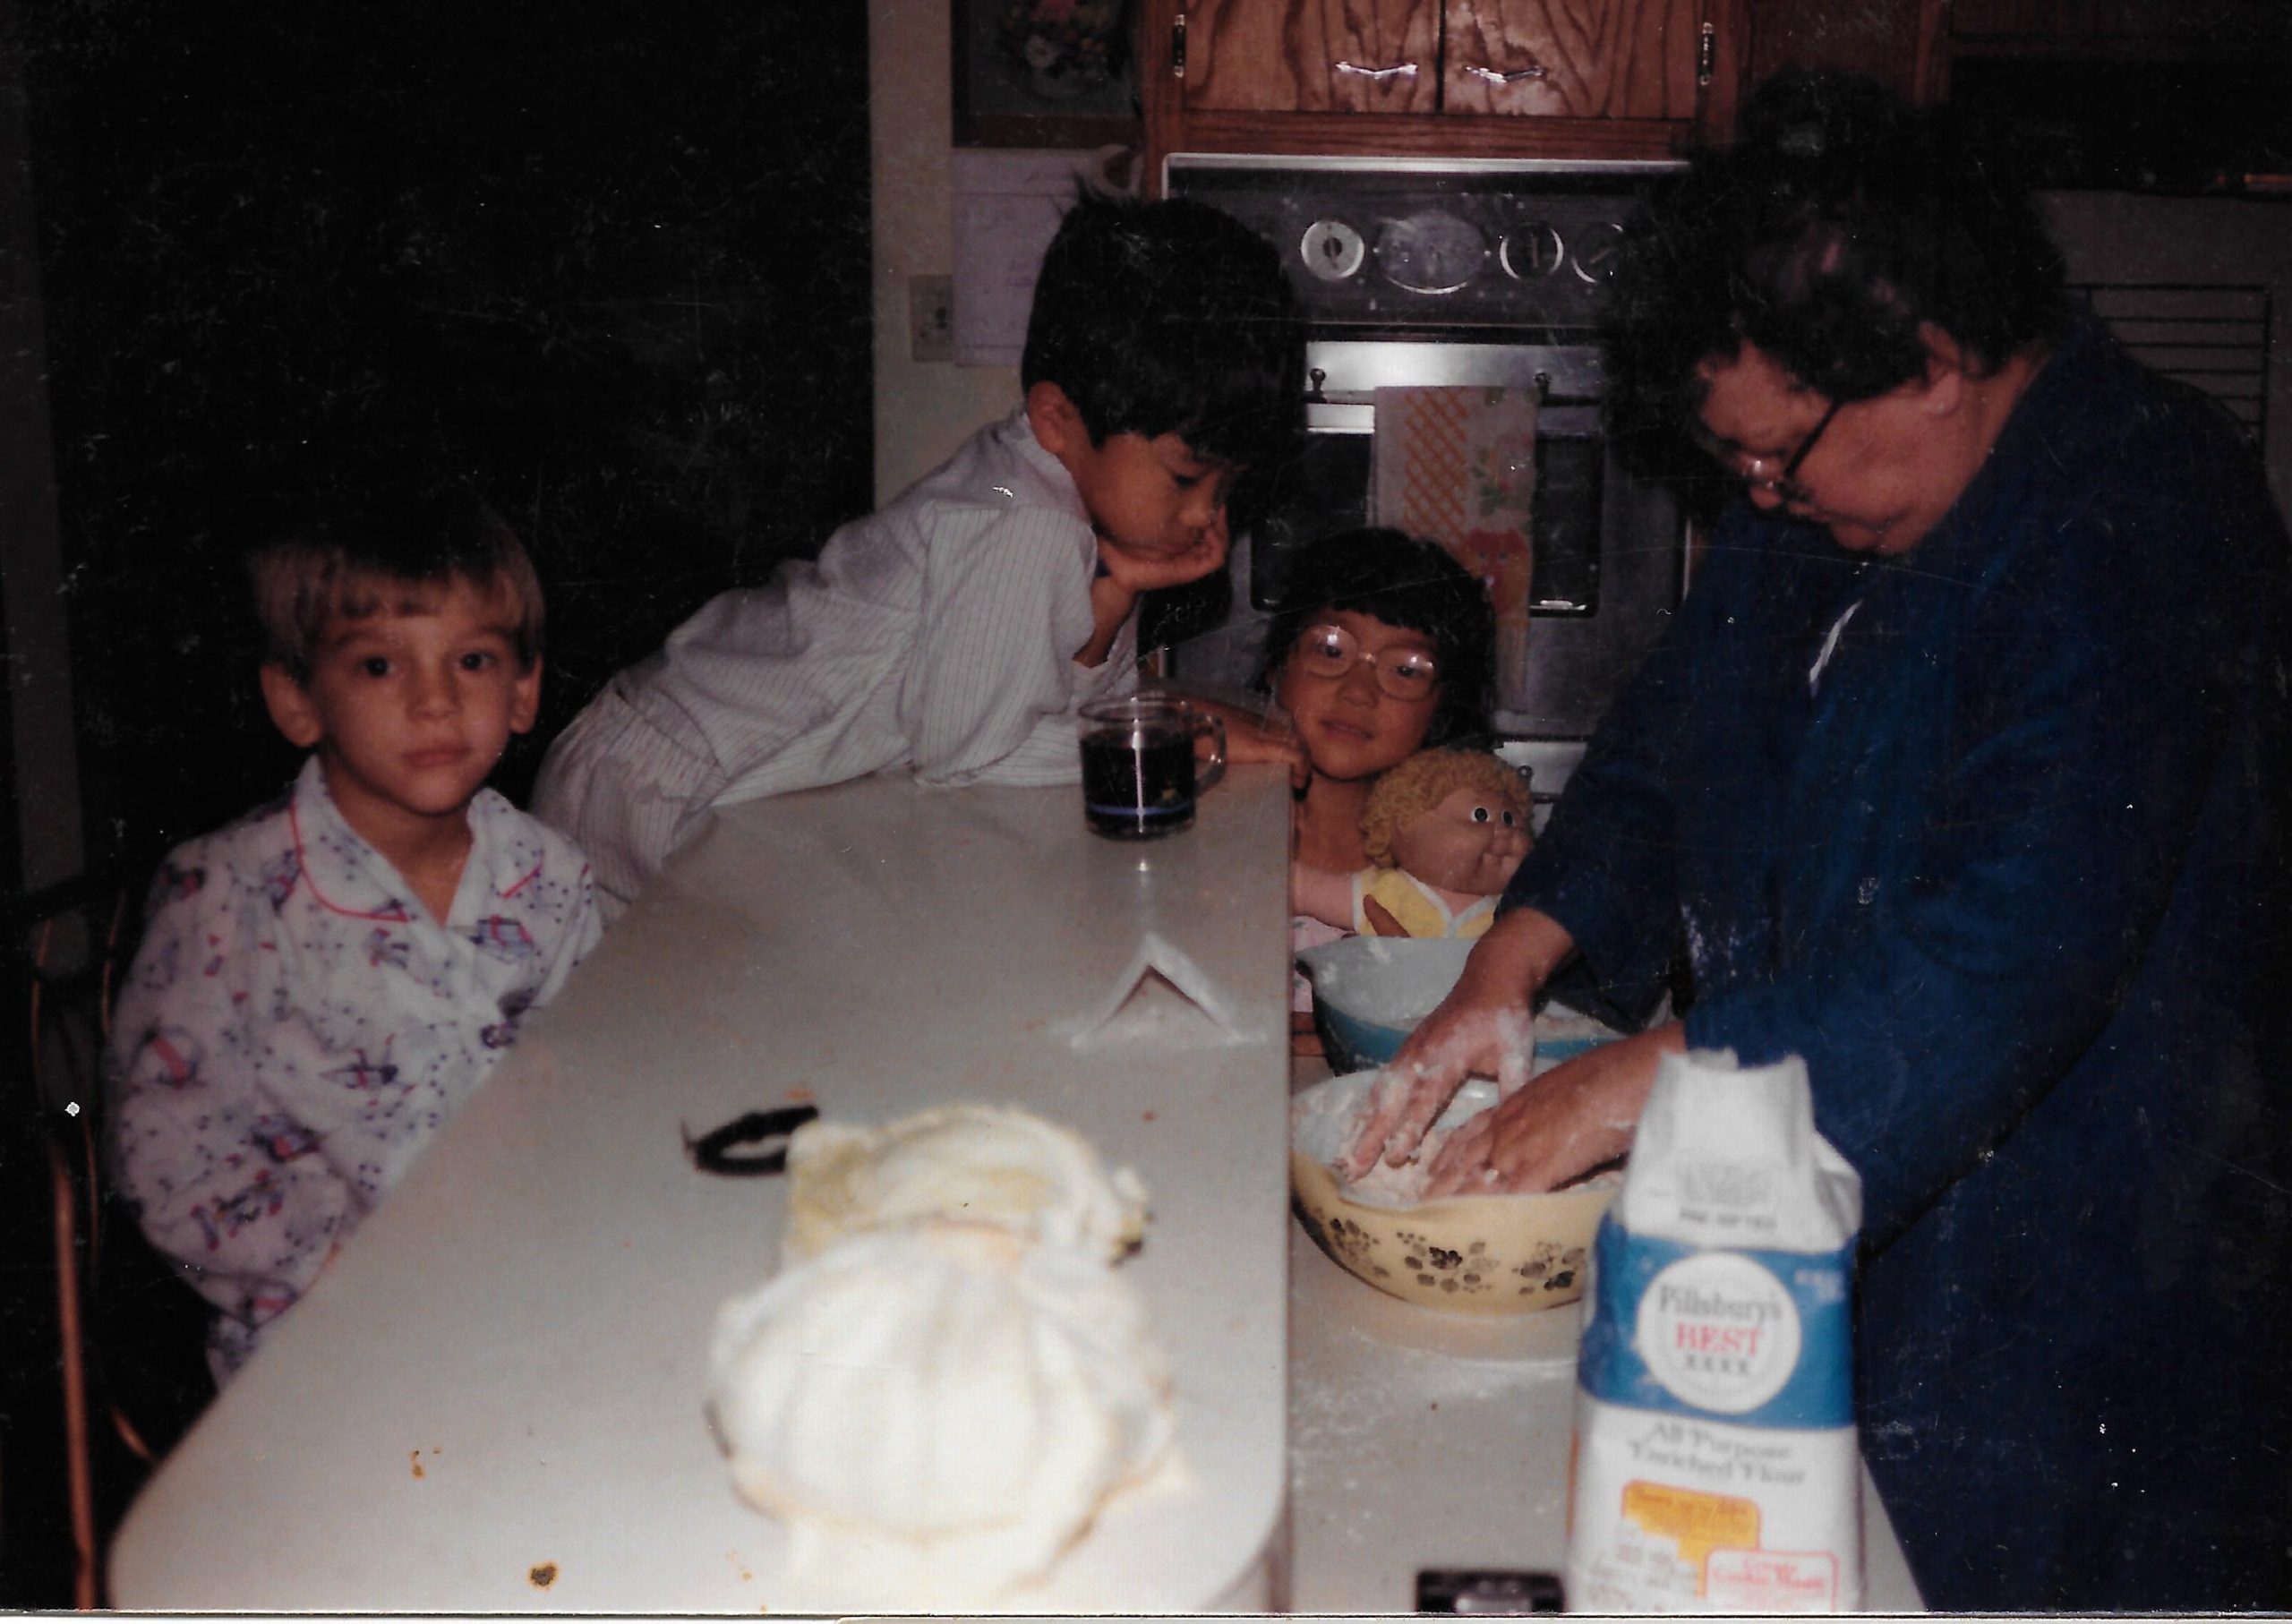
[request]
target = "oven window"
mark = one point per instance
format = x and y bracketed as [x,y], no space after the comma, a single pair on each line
[1326,488]
[1323,489]
[1564,525]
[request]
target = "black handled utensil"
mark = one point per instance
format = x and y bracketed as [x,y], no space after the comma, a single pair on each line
[714,1151]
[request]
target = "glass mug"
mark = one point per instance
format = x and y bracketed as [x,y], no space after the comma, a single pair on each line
[1139,777]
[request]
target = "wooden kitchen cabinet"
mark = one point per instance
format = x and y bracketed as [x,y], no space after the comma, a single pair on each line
[1513,58]
[1320,56]
[1542,58]
[1439,78]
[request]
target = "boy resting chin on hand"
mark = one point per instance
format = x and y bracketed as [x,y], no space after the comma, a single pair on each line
[323,982]
[957,630]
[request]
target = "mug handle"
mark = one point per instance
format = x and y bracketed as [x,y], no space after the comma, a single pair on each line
[1215,726]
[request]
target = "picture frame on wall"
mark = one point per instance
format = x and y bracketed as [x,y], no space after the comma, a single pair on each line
[1045,73]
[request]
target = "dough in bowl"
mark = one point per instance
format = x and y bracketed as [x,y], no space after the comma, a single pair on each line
[981,1163]
[936,1411]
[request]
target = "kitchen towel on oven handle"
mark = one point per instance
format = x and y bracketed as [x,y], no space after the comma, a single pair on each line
[1459,463]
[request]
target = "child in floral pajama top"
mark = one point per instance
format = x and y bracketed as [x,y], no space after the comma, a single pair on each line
[323,982]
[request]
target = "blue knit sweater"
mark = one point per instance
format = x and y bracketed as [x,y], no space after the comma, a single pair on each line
[2006,867]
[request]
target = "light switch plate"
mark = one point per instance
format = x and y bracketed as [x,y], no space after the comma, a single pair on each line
[931,317]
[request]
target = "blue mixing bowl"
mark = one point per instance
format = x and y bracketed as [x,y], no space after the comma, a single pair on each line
[1370,991]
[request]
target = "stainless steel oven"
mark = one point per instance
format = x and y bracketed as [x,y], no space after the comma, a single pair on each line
[1419,274]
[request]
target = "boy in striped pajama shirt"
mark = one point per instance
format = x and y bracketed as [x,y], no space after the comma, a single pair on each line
[957,630]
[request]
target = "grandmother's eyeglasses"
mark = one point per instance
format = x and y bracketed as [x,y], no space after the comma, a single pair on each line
[1783,484]
[1329,651]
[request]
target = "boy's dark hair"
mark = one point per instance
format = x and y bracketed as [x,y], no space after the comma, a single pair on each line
[1407,581]
[388,550]
[1169,317]
[1839,222]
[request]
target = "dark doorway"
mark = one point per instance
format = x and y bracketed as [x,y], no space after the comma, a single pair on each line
[609,263]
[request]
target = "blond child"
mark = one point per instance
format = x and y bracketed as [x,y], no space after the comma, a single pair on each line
[321,983]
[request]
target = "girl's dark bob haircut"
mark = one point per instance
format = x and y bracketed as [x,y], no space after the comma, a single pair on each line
[1407,581]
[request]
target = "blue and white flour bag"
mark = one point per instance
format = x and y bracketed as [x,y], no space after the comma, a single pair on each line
[1716,1465]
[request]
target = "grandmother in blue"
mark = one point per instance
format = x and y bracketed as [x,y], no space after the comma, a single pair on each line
[1962,774]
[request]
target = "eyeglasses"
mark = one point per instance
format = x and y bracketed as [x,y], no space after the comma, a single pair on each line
[1331,652]
[1782,485]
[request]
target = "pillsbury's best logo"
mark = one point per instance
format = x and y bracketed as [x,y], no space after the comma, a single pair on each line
[1719,1332]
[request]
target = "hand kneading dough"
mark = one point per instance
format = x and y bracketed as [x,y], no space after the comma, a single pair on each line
[981,1163]
[936,1412]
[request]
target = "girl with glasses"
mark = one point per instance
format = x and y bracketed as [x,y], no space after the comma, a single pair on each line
[1388,647]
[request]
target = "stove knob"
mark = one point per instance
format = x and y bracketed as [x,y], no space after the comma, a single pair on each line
[1331,250]
[1595,251]
[1531,252]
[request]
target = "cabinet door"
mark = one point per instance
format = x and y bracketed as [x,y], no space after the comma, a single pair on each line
[1573,58]
[1312,55]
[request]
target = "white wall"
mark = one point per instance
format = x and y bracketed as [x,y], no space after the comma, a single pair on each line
[923,409]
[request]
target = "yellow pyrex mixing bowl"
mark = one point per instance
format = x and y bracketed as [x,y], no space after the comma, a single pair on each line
[1474,1254]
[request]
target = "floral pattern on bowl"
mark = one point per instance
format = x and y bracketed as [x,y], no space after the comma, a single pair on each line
[1480,1254]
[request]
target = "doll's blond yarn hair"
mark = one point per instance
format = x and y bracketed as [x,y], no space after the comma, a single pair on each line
[1423,783]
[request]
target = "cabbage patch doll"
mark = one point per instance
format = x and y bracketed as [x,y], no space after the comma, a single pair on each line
[1444,831]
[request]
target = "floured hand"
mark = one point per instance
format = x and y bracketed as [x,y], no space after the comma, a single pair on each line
[1482,1026]
[1455,1042]
[1559,1127]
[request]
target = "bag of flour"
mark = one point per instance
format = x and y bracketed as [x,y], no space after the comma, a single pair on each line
[1716,1465]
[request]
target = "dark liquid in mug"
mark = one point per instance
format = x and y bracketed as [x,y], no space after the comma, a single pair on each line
[1134,787]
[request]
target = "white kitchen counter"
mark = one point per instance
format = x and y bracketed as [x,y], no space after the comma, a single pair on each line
[492,1400]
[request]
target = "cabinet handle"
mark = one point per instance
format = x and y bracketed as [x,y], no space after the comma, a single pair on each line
[1399,69]
[1706,56]
[1177,46]
[1535,70]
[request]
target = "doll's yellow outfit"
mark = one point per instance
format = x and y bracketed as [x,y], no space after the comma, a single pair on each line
[1419,907]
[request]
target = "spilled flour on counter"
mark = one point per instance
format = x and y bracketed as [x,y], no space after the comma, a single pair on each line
[1408,1378]
[1360,1442]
